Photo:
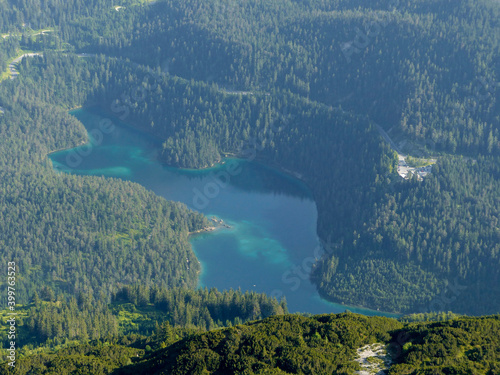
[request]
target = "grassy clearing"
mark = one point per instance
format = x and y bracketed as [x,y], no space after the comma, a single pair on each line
[4,75]
[139,320]
[419,162]
[126,237]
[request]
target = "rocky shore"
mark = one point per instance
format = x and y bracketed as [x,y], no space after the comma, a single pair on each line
[218,223]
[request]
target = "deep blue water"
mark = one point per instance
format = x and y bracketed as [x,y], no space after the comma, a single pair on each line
[272,242]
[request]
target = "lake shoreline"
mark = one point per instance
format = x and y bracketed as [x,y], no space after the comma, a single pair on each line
[202,230]
[258,241]
[219,163]
[218,224]
[82,143]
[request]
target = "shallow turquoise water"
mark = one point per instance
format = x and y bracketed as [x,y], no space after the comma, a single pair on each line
[272,242]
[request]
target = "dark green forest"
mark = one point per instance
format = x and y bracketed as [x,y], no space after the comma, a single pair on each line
[298,85]
[373,226]
[82,234]
[426,71]
[289,344]
[52,322]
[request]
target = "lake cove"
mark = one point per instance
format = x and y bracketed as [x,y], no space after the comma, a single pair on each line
[267,241]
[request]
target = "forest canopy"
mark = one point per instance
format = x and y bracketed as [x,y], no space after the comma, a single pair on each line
[318,78]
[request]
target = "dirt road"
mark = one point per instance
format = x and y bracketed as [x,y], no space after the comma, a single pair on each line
[12,66]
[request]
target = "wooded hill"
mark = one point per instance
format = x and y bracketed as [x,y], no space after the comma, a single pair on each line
[289,344]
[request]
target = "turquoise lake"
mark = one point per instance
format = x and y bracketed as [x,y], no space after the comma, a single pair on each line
[272,242]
